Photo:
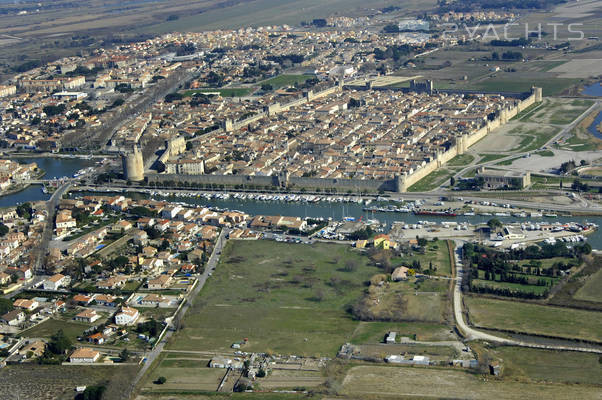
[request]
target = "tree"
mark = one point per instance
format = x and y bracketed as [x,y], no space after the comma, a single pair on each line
[6,305]
[3,229]
[452,181]
[495,224]
[93,392]
[59,343]
[161,380]
[124,355]
[266,87]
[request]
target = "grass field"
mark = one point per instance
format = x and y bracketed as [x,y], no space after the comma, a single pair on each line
[547,365]
[265,12]
[538,290]
[461,160]
[374,332]
[534,318]
[550,86]
[224,92]
[591,290]
[406,382]
[431,181]
[193,376]
[286,298]
[436,253]
[490,157]
[284,80]
[51,326]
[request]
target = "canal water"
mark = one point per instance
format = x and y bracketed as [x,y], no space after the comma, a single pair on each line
[66,167]
[338,211]
[593,90]
[54,167]
[593,128]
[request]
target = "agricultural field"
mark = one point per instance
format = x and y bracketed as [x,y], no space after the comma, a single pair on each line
[279,379]
[549,366]
[186,374]
[33,381]
[287,298]
[534,318]
[394,382]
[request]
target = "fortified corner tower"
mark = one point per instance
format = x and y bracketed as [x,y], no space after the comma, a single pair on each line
[133,165]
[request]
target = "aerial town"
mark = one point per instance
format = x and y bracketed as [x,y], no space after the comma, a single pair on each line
[332,201]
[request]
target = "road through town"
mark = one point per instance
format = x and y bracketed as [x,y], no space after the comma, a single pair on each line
[202,278]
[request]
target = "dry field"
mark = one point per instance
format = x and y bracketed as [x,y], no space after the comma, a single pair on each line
[403,382]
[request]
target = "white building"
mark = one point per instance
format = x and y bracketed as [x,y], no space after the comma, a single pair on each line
[55,282]
[126,316]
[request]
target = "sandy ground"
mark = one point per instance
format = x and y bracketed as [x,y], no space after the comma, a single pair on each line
[536,163]
[578,68]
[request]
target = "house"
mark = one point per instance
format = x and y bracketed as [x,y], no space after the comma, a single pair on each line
[390,337]
[87,315]
[194,255]
[55,282]
[400,274]
[106,300]
[361,244]
[82,300]
[126,316]
[112,283]
[26,304]
[4,278]
[33,349]
[155,300]
[13,318]
[96,338]
[84,355]
[382,241]
[121,227]
[160,282]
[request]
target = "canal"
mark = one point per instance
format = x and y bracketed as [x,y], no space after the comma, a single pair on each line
[338,211]
[66,167]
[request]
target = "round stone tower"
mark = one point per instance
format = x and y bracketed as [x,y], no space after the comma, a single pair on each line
[133,165]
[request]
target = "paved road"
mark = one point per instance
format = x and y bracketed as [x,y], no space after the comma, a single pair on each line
[202,278]
[473,334]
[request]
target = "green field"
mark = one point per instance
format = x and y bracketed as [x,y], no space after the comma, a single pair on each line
[591,290]
[550,86]
[461,160]
[288,298]
[490,157]
[285,80]
[224,92]
[374,332]
[534,318]
[263,13]
[538,290]
[184,374]
[546,365]
[436,253]
[48,328]
[431,181]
